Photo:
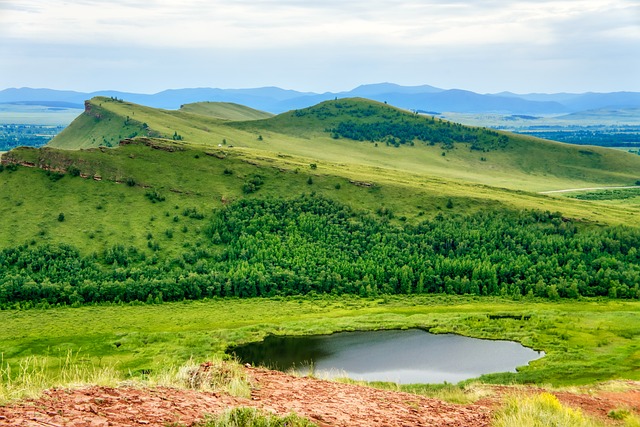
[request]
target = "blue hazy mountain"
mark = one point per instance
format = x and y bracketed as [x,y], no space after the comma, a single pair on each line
[277,100]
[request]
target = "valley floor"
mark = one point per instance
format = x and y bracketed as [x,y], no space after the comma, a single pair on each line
[325,403]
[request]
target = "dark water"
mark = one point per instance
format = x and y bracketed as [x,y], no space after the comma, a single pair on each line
[410,356]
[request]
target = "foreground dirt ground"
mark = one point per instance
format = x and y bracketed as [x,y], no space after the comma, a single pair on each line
[324,402]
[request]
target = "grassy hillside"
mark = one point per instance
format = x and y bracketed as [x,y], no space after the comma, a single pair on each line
[110,205]
[437,147]
[225,111]
[213,159]
[361,133]
[106,121]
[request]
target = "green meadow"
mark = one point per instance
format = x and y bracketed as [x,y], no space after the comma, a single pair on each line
[158,190]
[584,342]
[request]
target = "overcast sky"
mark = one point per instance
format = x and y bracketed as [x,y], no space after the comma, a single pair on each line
[329,45]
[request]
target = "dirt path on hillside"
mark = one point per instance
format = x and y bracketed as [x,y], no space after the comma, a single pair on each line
[324,402]
[588,189]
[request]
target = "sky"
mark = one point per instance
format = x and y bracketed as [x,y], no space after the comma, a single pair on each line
[485,46]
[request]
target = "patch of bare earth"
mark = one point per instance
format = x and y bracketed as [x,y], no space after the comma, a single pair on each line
[596,402]
[599,403]
[324,402]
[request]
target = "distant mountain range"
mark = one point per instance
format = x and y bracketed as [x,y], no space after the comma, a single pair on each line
[276,100]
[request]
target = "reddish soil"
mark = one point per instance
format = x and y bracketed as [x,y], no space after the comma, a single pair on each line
[324,402]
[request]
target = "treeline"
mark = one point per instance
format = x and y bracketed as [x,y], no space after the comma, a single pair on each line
[311,244]
[603,138]
[365,121]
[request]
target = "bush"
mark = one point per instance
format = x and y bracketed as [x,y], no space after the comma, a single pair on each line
[154,196]
[252,184]
[55,176]
[540,410]
[192,213]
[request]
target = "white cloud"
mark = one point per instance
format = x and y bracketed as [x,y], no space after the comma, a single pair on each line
[377,38]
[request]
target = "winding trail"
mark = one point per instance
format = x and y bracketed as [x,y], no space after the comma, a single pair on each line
[588,189]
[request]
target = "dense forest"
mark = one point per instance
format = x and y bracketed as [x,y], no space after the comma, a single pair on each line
[420,129]
[314,245]
[363,120]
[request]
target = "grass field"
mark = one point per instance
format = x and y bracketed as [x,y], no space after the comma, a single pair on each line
[525,163]
[195,160]
[412,181]
[584,341]
[99,214]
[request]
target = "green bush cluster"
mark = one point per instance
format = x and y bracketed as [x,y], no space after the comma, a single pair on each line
[420,129]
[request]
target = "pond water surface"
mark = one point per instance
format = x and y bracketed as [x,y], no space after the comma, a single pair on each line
[407,356]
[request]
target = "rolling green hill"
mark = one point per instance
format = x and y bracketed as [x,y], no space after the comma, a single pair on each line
[358,133]
[153,200]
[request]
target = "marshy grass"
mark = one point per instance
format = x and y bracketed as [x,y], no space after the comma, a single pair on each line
[35,374]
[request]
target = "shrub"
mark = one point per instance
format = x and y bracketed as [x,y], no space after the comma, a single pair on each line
[154,196]
[252,184]
[192,213]
[217,375]
[251,417]
[55,176]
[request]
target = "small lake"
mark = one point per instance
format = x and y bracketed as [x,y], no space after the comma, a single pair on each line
[401,356]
